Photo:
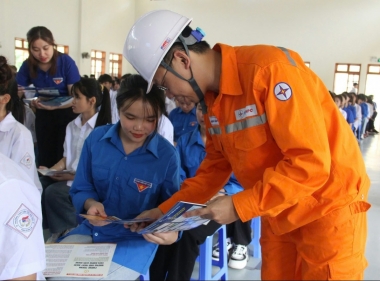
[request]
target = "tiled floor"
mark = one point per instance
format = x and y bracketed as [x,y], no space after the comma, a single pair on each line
[371,152]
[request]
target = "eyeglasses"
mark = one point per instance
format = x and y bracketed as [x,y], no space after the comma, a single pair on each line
[162,88]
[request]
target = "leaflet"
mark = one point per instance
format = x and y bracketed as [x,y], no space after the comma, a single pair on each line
[58,101]
[46,91]
[113,219]
[174,221]
[78,260]
[52,172]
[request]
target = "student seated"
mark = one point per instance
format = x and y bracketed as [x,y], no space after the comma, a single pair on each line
[124,169]
[22,255]
[58,211]
[15,139]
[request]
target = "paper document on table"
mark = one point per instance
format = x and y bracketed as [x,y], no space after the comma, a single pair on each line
[78,260]
[174,221]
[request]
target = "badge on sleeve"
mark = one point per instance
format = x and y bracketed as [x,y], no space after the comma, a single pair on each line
[27,160]
[58,80]
[23,221]
[282,91]
[142,185]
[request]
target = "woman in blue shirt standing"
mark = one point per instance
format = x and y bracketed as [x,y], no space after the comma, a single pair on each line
[124,169]
[46,67]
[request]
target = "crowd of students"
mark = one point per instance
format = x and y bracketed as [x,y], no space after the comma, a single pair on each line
[359,110]
[109,140]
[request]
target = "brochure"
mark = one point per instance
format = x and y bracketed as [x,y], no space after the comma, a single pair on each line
[47,91]
[52,172]
[113,219]
[174,221]
[58,101]
[78,260]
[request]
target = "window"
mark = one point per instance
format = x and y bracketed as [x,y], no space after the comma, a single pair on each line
[98,63]
[115,65]
[63,49]
[21,51]
[307,63]
[345,76]
[372,85]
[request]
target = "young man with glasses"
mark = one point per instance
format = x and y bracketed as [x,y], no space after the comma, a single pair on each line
[272,122]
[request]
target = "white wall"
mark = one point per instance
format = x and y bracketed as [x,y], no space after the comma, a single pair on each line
[324,32]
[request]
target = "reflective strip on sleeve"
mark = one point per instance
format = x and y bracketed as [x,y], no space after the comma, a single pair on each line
[247,123]
[288,55]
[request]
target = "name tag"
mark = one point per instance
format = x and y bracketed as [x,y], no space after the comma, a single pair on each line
[249,110]
[214,121]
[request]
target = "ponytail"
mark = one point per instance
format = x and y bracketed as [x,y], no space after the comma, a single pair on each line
[104,115]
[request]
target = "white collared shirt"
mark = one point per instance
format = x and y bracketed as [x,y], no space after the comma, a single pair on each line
[169,105]
[76,133]
[114,112]
[21,238]
[16,143]
[165,128]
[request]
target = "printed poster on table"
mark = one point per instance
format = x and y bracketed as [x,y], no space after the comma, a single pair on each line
[78,260]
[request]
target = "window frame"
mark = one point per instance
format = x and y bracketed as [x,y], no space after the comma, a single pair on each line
[112,62]
[95,59]
[348,72]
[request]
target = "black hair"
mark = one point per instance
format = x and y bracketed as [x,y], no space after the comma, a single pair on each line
[199,47]
[104,78]
[125,77]
[91,88]
[134,88]
[41,32]
[8,85]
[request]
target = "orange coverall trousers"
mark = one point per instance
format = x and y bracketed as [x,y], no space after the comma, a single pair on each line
[330,248]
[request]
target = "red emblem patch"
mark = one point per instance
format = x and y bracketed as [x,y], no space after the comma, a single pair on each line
[142,185]
[58,80]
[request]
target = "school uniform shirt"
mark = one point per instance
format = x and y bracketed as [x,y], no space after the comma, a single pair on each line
[358,120]
[21,238]
[265,125]
[169,105]
[114,112]
[126,185]
[67,74]
[349,116]
[30,122]
[76,133]
[16,143]
[191,150]
[344,113]
[165,128]
[183,122]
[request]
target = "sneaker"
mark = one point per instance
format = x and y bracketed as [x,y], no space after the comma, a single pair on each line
[239,257]
[55,236]
[215,249]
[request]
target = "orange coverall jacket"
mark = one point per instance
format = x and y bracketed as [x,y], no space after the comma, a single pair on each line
[274,124]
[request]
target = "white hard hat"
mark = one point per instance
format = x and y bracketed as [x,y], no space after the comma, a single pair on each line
[150,38]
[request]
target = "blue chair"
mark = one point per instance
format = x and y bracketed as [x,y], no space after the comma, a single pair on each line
[144,277]
[205,258]
[256,230]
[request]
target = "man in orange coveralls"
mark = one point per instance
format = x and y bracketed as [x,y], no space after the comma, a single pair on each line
[273,123]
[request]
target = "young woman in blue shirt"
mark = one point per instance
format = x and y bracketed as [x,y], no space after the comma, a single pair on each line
[124,169]
[46,67]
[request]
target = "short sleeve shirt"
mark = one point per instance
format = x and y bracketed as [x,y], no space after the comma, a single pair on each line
[67,74]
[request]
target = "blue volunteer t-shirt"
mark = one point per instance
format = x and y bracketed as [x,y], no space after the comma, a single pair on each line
[67,74]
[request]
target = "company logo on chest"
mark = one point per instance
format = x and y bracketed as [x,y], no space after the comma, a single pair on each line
[249,110]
